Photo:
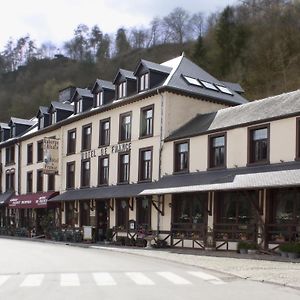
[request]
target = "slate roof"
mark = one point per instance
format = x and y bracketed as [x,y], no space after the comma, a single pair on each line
[153,66]
[22,121]
[256,111]
[187,68]
[114,191]
[43,110]
[62,106]
[279,175]
[4,125]
[104,84]
[124,73]
[83,93]
[234,86]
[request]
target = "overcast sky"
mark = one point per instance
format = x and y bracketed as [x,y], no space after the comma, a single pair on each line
[55,20]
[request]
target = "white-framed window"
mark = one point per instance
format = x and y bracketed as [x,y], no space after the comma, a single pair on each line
[79,106]
[53,117]
[41,122]
[99,99]
[122,90]
[144,82]
[13,131]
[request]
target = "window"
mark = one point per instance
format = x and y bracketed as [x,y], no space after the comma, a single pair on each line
[2,135]
[70,175]
[192,81]
[29,154]
[86,137]
[39,181]
[181,157]
[146,129]
[51,182]
[298,139]
[224,89]
[122,90]
[10,181]
[85,173]
[124,166]
[144,82]
[40,151]
[103,169]
[79,106]
[125,127]
[71,146]
[29,182]
[104,130]
[10,155]
[70,212]
[217,151]
[145,164]
[53,117]
[13,131]
[99,99]
[259,144]
[143,213]
[209,85]
[41,122]
[122,213]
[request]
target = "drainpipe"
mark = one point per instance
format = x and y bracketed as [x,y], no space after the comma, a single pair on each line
[19,167]
[161,143]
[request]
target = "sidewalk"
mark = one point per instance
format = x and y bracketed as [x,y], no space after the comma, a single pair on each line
[257,267]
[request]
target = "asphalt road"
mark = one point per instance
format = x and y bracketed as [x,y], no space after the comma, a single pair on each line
[30,271]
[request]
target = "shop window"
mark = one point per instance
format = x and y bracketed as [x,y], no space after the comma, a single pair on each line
[104,130]
[217,151]
[146,129]
[259,143]
[10,155]
[70,175]
[103,168]
[125,127]
[29,154]
[85,173]
[86,137]
[70,212]
[181,156]
[51,182]
[40,151]
[122,212]
[71,146]
[145,164]
[124,167]
[39,181]
[85,219]
[144,82]
[29,182]
[143,213]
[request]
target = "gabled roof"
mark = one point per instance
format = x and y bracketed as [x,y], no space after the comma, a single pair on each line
[256,111]
[62,106]
[22,121]
[103,84]
[125,74]
[4,126]
[42,110]
[185,67]
[82,93]
[153,66]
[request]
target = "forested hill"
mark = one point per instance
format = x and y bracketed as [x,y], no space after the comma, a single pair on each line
[255,43]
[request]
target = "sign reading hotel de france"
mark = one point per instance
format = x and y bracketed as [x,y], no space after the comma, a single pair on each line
[106,150]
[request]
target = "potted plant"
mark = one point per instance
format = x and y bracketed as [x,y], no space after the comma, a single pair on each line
[290,250]
[252,248]
[243,247]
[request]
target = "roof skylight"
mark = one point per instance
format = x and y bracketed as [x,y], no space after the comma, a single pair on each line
[209,85]
[224,89]
[192,80]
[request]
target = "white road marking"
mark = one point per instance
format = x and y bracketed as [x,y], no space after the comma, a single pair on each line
[173,278]
[102,279]
[139,278]
[207,277]
[3,279]
[69,279]
[32,280]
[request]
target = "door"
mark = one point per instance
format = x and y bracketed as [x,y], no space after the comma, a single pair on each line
[102,220]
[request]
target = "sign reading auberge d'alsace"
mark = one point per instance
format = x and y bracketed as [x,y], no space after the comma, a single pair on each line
[50,147]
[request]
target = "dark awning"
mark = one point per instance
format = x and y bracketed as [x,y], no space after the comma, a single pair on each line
[37,200]
[106,192]
[4,198]
[258,177]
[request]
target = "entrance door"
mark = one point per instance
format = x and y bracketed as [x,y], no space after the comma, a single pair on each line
[102,222]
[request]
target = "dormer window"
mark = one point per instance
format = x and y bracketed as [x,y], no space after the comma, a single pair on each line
[2,135]
[53,117]
[79,106]
[144,82]
[122,90]
[99,99]
[13,131]
[41,122]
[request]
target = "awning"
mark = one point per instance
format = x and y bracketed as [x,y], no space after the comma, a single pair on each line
[4,198]
[268,176]
[37,200]
[106,192]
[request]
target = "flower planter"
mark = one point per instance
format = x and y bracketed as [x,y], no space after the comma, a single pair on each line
[283,254]
[243,251]
[292,255]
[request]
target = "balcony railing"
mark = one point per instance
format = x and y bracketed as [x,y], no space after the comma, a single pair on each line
[235,232]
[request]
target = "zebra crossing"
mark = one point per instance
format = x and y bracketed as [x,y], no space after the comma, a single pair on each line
[102,279]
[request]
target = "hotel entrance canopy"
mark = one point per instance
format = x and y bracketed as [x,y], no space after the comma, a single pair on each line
[37,200]
[259,177]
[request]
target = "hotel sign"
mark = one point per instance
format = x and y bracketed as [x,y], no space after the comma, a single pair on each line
[51,155]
